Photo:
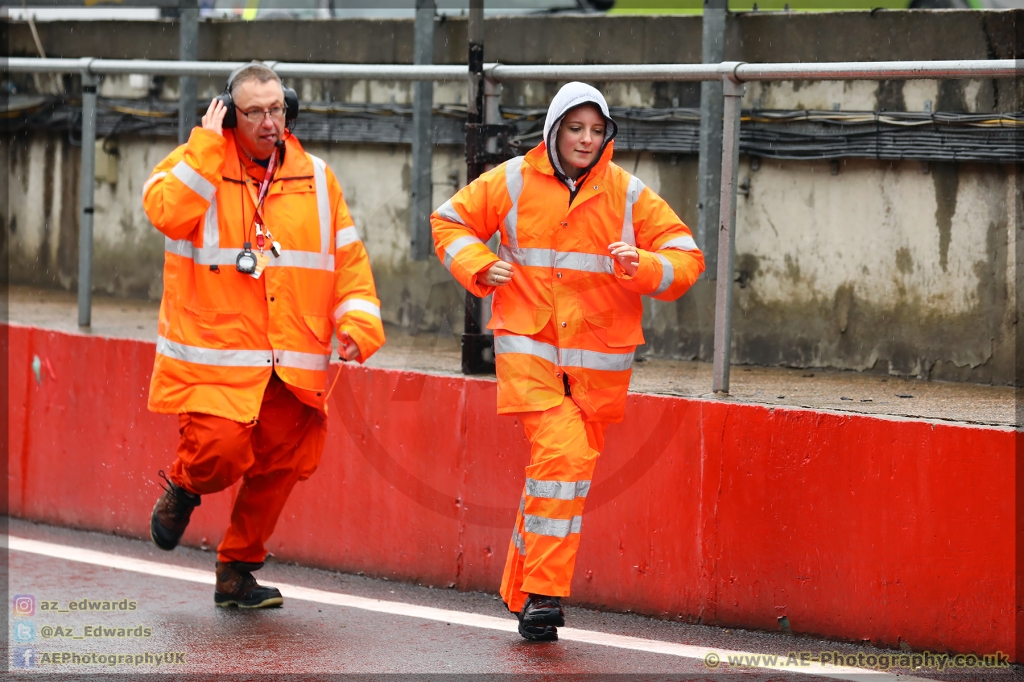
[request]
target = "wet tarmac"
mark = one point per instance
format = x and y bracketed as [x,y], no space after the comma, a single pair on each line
[94,604]
[850,392]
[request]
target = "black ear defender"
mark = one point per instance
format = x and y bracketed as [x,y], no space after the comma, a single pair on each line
[291,101]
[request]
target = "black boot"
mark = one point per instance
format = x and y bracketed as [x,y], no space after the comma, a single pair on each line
[171,514]
[237,587]
[540,618]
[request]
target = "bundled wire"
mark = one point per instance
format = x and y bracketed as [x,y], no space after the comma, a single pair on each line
[774,134]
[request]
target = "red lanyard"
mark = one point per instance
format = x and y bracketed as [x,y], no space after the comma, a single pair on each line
[258,201]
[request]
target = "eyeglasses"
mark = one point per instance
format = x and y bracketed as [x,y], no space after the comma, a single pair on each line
[257,115]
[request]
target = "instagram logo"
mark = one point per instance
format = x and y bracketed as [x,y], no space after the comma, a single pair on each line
[24,604]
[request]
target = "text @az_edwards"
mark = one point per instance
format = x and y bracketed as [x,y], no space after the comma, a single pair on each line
[95,632]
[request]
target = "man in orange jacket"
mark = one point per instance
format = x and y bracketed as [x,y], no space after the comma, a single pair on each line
[262,263]
[581,241]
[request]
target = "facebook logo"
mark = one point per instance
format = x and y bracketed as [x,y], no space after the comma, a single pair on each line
[24,657]
[24,631]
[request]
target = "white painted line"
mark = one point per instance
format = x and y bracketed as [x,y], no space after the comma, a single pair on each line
[88,556]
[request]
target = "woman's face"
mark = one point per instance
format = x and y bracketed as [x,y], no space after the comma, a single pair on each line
[580,138]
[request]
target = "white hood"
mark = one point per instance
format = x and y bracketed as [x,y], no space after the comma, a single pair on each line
[572,95]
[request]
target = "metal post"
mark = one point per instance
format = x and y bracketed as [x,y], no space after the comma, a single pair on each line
[709,164]
[188,51]
[89,84]
[422,189]
[474,341]
[733,92]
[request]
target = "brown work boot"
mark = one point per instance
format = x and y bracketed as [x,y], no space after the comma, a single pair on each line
[237,587]
[171,514]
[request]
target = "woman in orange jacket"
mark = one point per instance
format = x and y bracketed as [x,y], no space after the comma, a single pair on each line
[581,241]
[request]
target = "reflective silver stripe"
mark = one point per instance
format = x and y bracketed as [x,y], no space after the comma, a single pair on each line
[564,357]
[186,249]
[303,259]
[216,256]
[299,360]
[537,258]
[667,274]
[514,184]
[193,180]
[211,226]
[557,490]
[518,542]
[448,212]
[356,304]
[633,190]
[453,249]
[684,243]
[149,183]
[213,356]
[589,359]
[548,258]
[323,202]
[526,346]
[346,236]
[555,528]
[584,262]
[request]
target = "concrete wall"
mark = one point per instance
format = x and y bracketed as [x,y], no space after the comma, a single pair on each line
[884,266]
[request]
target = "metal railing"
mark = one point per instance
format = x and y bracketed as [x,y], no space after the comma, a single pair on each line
[732,75]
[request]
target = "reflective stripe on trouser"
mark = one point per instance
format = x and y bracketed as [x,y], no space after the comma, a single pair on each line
[546,537]
[270,457]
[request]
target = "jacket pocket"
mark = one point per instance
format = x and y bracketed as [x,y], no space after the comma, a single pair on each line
[617,332]
[321,326]
[212,318]
[517,318]
[215,328]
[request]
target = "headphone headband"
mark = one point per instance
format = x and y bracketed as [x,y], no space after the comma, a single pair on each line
[291,98]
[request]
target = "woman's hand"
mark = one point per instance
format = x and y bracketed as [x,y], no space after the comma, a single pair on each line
[497,275]
[626,256]
[213,120]
[347,349]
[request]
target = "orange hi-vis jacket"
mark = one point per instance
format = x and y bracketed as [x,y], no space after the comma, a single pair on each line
[222,332]
[569,307]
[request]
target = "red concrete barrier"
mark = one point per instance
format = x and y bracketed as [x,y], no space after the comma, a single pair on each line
[853,527]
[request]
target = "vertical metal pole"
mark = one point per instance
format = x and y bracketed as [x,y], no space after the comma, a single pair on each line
[89,85]
[709,165]
[188,51]
[492,116]
[733,92]
[421,199]
[474,342]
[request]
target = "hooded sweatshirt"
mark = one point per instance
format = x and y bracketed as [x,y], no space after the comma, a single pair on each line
[570,96]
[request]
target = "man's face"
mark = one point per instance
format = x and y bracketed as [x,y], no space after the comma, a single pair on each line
[257,131]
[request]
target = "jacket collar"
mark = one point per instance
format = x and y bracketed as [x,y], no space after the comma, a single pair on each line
[296,163]
[538,158]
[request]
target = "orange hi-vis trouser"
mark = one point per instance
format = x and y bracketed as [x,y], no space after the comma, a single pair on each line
[270,456]
[546,537]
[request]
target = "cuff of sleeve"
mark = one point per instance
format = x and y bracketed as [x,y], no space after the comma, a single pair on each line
[646,278]
[477,289]
[203,142]
[360,338]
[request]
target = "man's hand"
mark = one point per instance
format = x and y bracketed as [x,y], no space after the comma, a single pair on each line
[213,120]
[347,349]
[626,256]
[497,275]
